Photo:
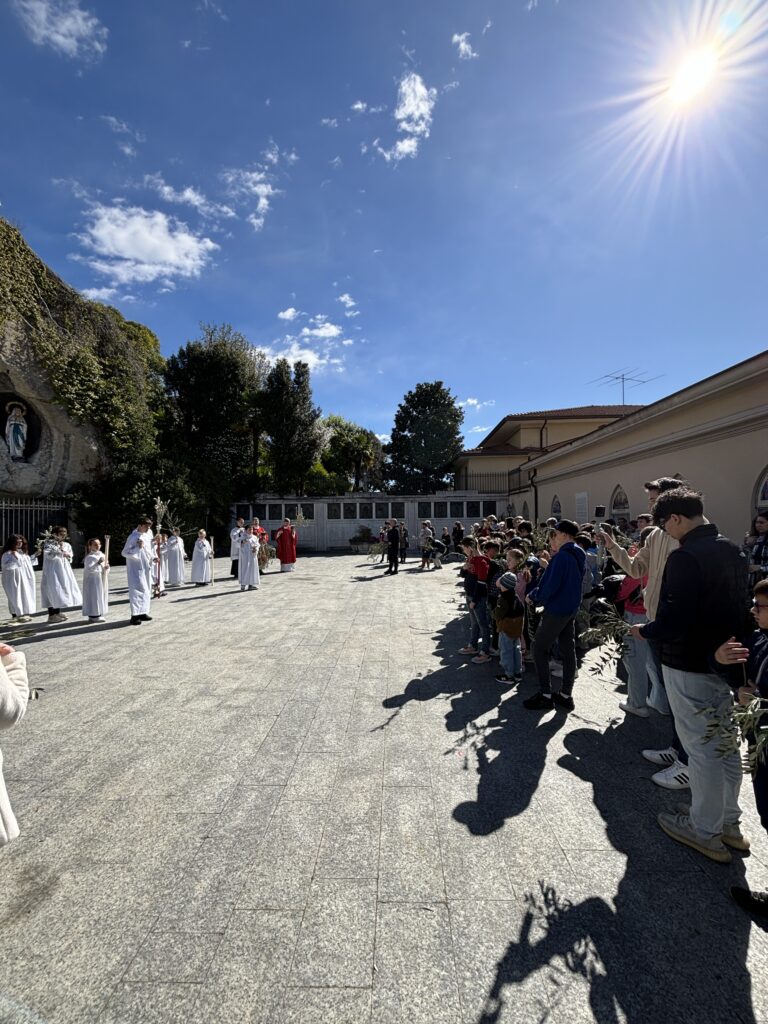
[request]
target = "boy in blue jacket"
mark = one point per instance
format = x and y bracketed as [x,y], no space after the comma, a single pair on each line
[559,592]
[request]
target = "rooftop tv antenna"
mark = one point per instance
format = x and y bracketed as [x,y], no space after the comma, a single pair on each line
[627,377]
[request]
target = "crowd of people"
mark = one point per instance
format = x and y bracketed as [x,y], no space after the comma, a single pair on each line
[689,645]
[154,564]
[683,593]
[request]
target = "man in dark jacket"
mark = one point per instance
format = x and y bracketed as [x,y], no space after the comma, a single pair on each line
[393,546]
[560,593]
[702,604]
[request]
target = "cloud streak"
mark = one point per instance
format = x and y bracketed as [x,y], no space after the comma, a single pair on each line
[63,26]
[413,115]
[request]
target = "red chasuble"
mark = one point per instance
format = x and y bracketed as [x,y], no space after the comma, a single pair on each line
[285,541]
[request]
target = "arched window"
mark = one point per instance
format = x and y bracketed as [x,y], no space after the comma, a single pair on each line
[619,503]
[557,508]
[511,510]
[761,492]
[526,514]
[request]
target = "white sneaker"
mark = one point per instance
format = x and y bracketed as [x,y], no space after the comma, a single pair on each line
[665,757]
[674,777]
[632,710]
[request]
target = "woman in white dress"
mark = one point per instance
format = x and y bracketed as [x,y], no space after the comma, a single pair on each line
[18,578]
[95,568]
[248,561]
[202,556]
[58,587]
[176,556]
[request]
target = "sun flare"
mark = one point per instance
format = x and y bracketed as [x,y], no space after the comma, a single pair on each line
[695,76]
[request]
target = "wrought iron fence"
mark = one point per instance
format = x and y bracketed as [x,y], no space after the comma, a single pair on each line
[31,516]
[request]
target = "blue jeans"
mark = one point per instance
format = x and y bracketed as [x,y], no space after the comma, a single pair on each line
[635,657]
[511,655]
[478,625]
[696,699]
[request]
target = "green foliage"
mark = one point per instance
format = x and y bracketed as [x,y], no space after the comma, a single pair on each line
[294,432]
[211,428]
[103,369]
[426,439]
[353,453]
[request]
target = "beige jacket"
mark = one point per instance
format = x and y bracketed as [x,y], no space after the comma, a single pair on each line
[14,694]
[649,561]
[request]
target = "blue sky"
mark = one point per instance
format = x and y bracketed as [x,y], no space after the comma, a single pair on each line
[511,196]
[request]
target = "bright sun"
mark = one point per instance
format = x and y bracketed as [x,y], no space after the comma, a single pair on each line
[694,77]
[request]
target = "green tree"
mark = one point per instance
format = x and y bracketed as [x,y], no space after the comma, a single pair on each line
[353,452]
[212,384]
[425,440]
[292,426]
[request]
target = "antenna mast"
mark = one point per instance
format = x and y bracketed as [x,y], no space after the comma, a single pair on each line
[627,377]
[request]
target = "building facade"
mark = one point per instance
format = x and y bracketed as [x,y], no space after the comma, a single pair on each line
[713,434]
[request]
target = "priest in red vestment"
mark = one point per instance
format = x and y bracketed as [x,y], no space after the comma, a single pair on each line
[285,542]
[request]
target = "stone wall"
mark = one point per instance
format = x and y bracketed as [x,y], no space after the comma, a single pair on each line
[64,453]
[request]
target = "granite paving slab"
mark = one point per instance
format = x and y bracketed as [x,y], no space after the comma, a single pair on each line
[306,807]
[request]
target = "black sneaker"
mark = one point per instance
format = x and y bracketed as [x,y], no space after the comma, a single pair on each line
[145,618]
[539,702]
[135,620]
[518,677]
[564,701]
[503,678]
[753,902]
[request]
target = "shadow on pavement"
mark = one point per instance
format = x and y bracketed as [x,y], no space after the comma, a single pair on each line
[668,946]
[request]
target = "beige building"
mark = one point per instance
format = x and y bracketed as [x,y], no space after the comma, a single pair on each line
[714,434]
[522,436]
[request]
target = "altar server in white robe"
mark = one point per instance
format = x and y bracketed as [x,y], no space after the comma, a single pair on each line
[176,557]
[19,578]
[95,569]
[138,561]
[58,586]
[236,535]
[248,572]
[202,557]
[144,532]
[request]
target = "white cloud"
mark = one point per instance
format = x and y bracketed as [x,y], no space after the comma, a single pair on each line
[352,313]
[288,314]
[243,183]
[413,114]
[488,25]
[99,294]
[329,122]
[121,127]
[336,162]
[322,331]
[478,430]
[64,26]
[450,86]
[384,438]
[129,244]
[292,350]
[476,404]
[359,107]
[291,158]
[346,300]
[188,196]
[348,341]
[127,148]
[214,8]
[185,43]
[461,41]
[272,153]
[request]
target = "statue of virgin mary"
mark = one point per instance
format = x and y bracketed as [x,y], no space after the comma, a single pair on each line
[16,430]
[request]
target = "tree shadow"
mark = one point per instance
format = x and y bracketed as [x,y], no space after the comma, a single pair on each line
[669,946]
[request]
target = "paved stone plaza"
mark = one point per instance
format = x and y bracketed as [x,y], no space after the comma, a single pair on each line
[302,805]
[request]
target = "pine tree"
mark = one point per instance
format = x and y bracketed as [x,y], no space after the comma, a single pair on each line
[294,431]
[425,440]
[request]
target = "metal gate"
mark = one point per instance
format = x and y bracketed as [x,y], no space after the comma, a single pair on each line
[31,517]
